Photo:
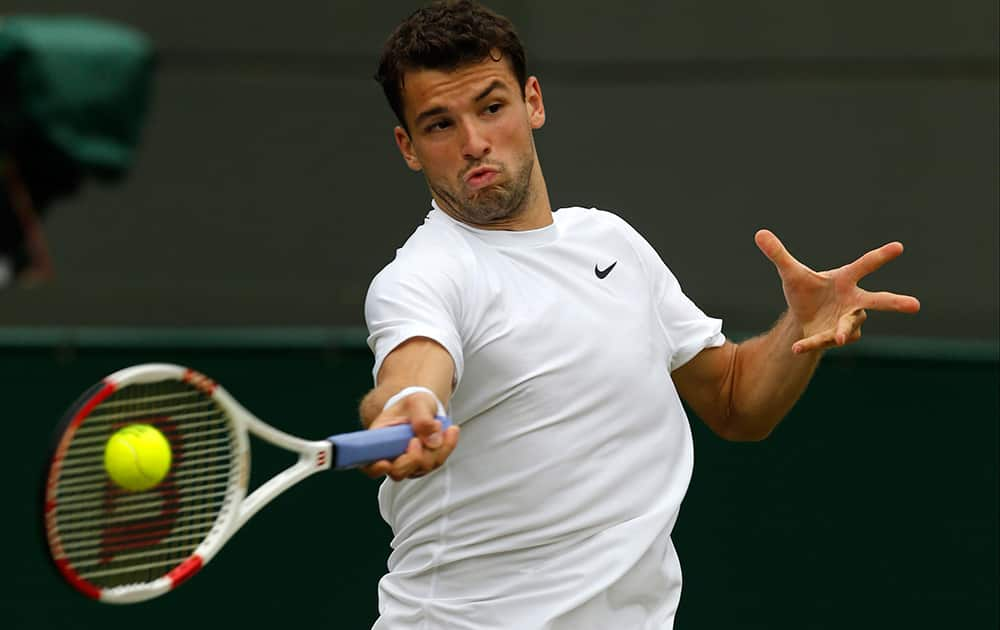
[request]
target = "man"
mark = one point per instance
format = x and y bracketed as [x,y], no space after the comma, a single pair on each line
[24,252]
[562,345]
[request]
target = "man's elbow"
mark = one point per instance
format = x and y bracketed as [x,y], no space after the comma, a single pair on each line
[747,436]
[742,430]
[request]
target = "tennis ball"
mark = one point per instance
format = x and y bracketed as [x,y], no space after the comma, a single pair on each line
[137,457]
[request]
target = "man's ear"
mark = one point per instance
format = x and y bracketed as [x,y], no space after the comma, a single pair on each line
[533,102]
[406,149]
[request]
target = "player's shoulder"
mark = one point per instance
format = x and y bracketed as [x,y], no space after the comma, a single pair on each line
[434,250]
[432,234]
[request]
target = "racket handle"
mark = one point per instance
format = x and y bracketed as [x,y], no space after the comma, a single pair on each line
[362,447]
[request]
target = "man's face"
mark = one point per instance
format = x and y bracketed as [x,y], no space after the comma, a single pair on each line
[471,135]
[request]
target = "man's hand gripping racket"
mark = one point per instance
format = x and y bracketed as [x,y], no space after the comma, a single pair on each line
[121,546]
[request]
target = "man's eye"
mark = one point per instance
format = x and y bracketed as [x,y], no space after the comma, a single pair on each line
[439,125]
[494,108]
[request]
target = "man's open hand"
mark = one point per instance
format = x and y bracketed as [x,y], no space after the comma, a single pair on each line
[829,305]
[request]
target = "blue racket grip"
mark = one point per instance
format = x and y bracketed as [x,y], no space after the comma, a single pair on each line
[362,447]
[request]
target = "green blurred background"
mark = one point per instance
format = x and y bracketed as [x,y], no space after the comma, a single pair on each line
[874,505]
[268,189]
[268,192]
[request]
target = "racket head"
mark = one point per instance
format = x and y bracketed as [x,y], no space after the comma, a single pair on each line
[122,546]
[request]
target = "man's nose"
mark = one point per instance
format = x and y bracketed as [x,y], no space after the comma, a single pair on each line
[475,144]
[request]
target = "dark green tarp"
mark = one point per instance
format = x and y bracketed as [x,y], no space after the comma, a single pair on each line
[83,84]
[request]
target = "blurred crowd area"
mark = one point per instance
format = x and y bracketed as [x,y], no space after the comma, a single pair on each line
[73,94]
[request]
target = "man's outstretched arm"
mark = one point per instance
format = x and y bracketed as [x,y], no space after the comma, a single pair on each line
[743,391]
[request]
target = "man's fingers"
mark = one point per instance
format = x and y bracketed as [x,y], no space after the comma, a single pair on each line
[401,467]
[885,301]
[419,460]
[377,469]
[425,452]
[848,325]
[819,341]
[775,251]
[424,461]
[873,260]
[815,342]
[428,429]
[451,438]
[412,461]
[448,445]
[847,330]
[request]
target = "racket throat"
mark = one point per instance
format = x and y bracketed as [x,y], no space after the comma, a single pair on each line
[313,457]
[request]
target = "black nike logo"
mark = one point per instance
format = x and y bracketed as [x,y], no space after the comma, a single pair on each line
[603,273]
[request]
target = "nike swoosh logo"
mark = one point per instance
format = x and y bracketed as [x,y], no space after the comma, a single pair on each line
[603,273]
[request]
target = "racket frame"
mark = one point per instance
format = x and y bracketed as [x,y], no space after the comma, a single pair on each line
[313,457]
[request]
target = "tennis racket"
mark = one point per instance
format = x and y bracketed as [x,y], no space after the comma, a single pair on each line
[120,547]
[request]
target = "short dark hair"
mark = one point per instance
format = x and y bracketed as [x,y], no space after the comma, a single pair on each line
[445,35]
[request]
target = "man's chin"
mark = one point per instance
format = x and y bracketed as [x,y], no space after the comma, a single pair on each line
[486,192]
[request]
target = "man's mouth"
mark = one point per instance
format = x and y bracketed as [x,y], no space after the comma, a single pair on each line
[479,177]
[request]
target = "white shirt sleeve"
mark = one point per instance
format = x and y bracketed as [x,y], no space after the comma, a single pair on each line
[687,328]
[414,298]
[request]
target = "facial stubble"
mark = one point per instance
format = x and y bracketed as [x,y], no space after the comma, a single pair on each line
[491,204]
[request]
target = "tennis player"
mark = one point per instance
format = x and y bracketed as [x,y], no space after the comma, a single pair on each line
[562,347]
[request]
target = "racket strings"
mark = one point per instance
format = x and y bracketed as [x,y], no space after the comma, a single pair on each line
[82,562]
[219,472]
[113,537]
[149,507]
[82,540]
[171,411]
[192,457]
[84,443]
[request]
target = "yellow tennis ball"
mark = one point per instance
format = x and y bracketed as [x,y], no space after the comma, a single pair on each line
[137,457]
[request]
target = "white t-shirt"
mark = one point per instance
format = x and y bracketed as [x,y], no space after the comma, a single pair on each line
[555,510]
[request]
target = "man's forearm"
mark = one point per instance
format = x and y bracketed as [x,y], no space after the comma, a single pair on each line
[418,361]
[768,378]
